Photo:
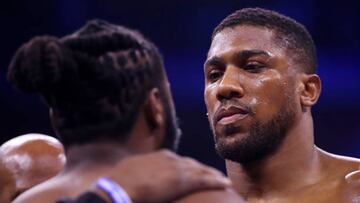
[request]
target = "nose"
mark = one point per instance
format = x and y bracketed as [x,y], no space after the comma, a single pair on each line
[230,85]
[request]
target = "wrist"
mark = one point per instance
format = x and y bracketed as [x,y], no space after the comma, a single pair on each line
[102,194]
[111,191]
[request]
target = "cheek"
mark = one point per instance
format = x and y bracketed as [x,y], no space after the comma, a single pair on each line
[209,98]
[210,101]
[269,96]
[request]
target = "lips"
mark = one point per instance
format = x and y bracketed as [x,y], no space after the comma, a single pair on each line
[229,115]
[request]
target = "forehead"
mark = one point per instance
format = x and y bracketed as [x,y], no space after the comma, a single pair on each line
[244,37]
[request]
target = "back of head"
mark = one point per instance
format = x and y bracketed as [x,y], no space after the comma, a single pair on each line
[94,80]
[32,159]
[289,34]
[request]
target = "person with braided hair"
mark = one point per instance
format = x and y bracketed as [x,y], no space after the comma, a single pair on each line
[109,102]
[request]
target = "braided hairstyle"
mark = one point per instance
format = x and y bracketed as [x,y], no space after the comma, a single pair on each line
[288,33]
[94,80]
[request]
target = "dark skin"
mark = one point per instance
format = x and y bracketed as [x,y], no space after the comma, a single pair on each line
[32,159]
[7,183]
[145,176]
[245,65]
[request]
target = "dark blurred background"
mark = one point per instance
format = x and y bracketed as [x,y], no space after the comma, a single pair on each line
[182,31]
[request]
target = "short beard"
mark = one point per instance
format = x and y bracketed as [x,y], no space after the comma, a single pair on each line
[262,141]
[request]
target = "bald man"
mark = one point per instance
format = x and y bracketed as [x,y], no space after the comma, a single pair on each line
[32,159]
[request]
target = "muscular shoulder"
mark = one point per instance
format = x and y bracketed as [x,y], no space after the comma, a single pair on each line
[351,177]
[342,176]
[212,196]
[340,165]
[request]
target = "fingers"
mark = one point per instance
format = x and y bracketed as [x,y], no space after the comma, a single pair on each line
[165,176]
[209,181]
[195,175]
[353,177]
[202,177]
[167,154]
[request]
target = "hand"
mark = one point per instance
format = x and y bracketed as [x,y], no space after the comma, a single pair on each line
[164,176]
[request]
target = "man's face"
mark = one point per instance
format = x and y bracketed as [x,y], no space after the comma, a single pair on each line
[249,93]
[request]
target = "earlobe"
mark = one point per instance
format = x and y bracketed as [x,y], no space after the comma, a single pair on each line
[154,110]
[311,89]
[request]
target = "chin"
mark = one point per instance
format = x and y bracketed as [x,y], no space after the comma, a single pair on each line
[241,147]
[231,139]
[230,131]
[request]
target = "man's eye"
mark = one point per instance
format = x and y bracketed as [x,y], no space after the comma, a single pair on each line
[253,67]
[214,75]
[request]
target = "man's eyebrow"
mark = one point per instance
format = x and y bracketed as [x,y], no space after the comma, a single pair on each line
[241,55]
[213,61]
[244,54]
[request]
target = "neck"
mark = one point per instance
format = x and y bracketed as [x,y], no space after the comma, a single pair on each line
[95,155]
[293,165]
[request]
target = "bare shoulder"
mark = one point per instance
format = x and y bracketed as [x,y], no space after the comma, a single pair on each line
[212,196]
[342,164]
[345,169]
[346,159]
[332,184]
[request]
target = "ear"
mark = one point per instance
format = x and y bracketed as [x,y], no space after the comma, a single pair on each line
[154,110]
[310,89]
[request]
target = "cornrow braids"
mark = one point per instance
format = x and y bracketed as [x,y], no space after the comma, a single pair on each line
[94,80]
[289,33]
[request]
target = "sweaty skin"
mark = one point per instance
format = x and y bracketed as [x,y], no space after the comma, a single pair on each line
[145,177]
[103,124]
[32,159]
[250,79]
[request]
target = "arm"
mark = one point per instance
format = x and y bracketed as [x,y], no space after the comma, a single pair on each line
[212,196]
[208,196]
[161,177]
